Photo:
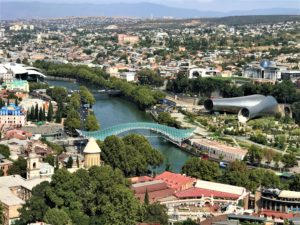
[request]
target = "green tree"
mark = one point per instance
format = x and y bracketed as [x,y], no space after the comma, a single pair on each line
[1,214]
[296,112]
[72,121]
[156,213]
[57,93]
[150,77]
[18,60]
[86,95]
[36,112]
[133,154]
[50,112]
[4,150]
[32,114]
[295,184]
[50,159]
[201,169]
[41,114]
[289,160]
[69,162]
[35,208]
[92,123]
[44,114]
[165,118]
[19,167]
[146,198]
[255,154]
[187,222]
[58,117]
[57,217]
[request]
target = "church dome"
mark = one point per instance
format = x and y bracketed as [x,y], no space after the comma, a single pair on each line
[92,147]
[265,63]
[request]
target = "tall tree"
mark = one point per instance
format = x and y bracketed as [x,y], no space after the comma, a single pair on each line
[36,112]
[40,114]
[70,162]
[146,198]
[1,214]
[58,117]
[44,114]
[50,112]
[32,115]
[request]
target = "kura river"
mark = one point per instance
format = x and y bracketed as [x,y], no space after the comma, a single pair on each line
[114,110]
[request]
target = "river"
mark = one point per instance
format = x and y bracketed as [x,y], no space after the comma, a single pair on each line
[114,110]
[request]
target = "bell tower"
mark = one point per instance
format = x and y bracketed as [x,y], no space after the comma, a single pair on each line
[33,166]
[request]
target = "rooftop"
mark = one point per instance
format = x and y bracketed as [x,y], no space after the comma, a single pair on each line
[92,147]
[195,192]
[7,182]
[289,194]
[221,146]
[175,180]
[221,187]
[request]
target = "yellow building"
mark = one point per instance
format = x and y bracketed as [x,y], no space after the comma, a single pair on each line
[91,154]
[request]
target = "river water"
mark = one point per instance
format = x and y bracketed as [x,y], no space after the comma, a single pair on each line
[114,110]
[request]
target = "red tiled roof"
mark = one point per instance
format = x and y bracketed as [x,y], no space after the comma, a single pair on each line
[198,192]
[140,179]
[175,180]
[156,195]
[276,214]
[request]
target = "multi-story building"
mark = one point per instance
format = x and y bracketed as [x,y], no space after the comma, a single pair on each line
[17,86]
[14,191]
[203,72]
[219,151]
[12,115]
[6,76]
[277,200]
[268,70]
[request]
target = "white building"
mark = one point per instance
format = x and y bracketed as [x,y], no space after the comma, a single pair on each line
[128,76]
[219,151]
[37,169]
[203,72]
[2,33]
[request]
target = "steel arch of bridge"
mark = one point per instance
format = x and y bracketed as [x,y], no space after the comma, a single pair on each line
[171,133]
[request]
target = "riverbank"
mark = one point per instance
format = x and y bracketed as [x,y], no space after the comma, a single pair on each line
[111,111]
[61,78]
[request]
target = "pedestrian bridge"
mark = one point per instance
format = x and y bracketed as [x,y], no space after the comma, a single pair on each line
[170,133]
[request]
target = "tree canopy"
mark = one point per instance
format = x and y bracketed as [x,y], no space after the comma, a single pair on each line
[201,169]
[132,154]
[97,196]
[4,150]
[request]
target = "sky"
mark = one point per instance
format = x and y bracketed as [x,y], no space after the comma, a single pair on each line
[212,5]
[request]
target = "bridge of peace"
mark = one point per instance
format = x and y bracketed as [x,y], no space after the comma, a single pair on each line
[170,133]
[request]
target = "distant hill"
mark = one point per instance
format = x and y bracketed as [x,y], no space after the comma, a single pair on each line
[30,10]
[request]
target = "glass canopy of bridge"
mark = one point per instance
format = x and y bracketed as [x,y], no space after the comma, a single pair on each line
[171,133]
